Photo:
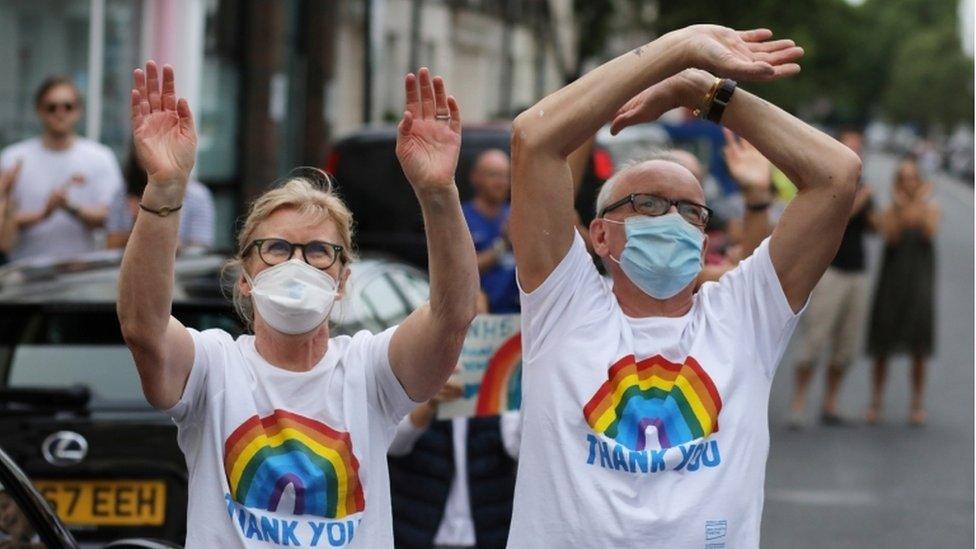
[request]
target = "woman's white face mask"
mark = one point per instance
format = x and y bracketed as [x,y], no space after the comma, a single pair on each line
[293,297]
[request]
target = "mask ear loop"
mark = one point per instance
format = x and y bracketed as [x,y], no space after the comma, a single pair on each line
[610,255]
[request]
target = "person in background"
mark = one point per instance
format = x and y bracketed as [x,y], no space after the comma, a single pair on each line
[196,217]
[8,212]
[453,480]
[902,314]
[66,182]
[487,218]
[837,310]
[729,244]
[16,531]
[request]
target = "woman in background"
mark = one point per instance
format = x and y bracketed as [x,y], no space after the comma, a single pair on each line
[902,314]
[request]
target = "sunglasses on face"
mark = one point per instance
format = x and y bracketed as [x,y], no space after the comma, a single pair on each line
[653,205]
[52,108]
[274,251]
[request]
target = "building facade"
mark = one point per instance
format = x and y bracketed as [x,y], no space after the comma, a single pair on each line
[272,84]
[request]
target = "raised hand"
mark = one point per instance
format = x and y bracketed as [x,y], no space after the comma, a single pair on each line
[742,55]
[750,169]
[163,133]
[429,135]
[685,89]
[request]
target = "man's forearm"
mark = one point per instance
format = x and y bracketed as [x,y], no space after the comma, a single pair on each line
[452,262]
[807,156]
[564,120]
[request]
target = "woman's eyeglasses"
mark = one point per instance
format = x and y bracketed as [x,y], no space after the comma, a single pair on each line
[274,251]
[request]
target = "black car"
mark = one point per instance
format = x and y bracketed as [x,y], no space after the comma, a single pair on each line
[388,218]
[71,406]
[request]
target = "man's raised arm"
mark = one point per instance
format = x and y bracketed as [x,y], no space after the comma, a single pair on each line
[542,218]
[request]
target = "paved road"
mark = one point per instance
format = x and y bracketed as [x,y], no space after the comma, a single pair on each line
[890,485]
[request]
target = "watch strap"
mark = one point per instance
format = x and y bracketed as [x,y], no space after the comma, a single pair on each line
[721,100]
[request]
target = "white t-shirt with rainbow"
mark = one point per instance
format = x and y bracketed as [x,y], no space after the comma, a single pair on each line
[646,432]
[289,459]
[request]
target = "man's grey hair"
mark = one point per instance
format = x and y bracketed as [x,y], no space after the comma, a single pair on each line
[605,195]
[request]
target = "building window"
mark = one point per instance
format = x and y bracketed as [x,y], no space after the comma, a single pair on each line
[38,38]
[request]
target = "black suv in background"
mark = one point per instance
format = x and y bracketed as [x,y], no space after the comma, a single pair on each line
[383,204]
[72,412]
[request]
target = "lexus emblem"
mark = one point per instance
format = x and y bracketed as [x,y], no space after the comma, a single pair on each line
[64,448]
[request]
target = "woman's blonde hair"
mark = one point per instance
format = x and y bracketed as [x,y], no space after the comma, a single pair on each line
[306,190]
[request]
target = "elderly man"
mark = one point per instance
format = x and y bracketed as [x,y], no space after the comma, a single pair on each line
[645,403]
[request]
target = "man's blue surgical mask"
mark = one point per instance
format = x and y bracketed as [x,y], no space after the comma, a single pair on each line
[662,255]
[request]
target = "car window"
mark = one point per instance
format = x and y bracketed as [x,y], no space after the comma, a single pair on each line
[82,346]
[384,306]
[107,370]
[414,288]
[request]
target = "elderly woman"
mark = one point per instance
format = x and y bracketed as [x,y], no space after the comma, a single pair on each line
[285,432]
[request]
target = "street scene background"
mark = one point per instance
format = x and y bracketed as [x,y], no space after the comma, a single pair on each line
[275,85]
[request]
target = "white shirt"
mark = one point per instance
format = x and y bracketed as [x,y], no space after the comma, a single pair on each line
[91,175]
[457,525]
[285,459]
[646,432]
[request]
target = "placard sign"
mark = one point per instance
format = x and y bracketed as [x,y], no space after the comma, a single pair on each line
[490,369]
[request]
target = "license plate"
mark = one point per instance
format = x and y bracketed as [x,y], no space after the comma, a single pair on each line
[106,502]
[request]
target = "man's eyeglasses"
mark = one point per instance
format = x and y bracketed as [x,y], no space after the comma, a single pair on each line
[52,108]
[274,251]
[653,205]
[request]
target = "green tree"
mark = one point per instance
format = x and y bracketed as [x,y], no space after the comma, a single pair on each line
[930,81]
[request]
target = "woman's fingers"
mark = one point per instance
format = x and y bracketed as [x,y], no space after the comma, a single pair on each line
[412,94]
[139,83]
[135,107]
[152,85]
[455,111]
[169,89]
[440,97]
[186,116]
[426,94]
[405,124]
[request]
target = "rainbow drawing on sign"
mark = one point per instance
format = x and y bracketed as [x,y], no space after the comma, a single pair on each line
[265,455]
[501,386]
[679,400]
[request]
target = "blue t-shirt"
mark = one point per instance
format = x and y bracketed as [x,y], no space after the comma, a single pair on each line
[497,282]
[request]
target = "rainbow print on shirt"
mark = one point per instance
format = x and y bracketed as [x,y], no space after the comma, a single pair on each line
[501,386]
[265,455]
[679,400]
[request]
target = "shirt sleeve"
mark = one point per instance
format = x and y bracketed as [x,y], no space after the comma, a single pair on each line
[571,293]
[109,179]
[407,434]
[119,218]
[199,216]
[751,298]
[206,353]
[384,391]
[511,427]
